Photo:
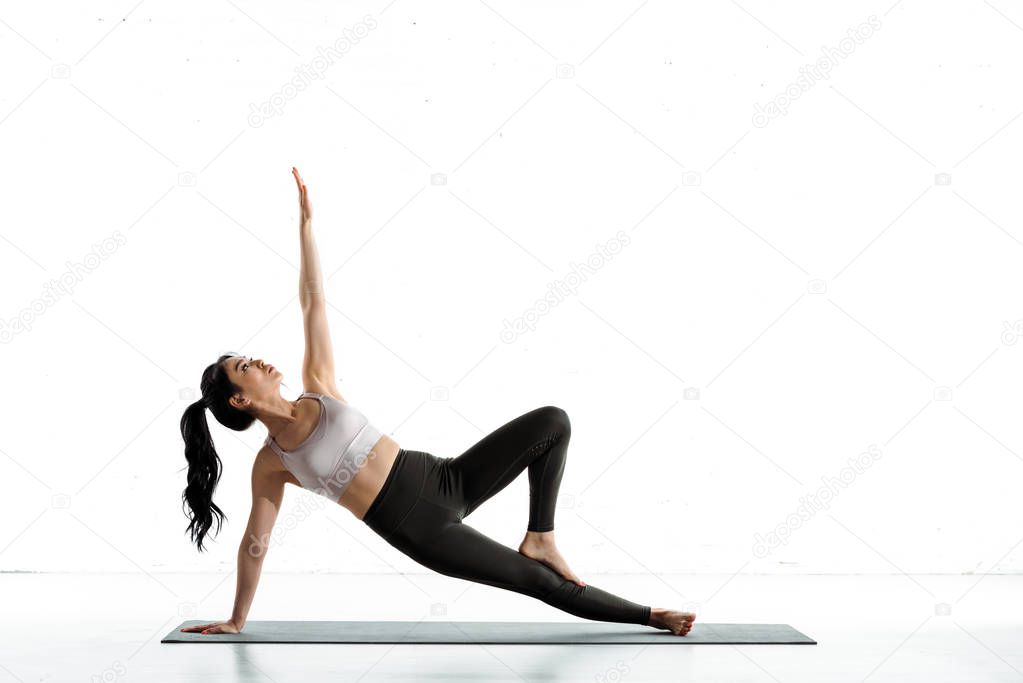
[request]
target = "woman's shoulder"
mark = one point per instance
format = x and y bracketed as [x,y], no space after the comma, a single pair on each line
[268,465]
[323,390]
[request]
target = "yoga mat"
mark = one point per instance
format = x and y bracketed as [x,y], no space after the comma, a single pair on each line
[489,632]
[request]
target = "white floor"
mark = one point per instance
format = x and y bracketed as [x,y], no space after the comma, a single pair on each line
[74,627]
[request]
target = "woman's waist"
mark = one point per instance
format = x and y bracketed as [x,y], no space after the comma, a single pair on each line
[401,490]
[369,470]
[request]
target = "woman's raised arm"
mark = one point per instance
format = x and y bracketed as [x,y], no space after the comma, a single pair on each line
[318,364]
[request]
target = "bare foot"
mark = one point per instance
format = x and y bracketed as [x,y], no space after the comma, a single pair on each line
[540,547]
[677,622]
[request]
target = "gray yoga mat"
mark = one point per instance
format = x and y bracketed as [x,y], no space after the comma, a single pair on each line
[489,632]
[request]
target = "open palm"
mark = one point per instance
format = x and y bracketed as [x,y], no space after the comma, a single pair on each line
[214,627]
[303,197]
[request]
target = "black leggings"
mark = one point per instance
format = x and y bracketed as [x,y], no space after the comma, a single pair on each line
[420,507]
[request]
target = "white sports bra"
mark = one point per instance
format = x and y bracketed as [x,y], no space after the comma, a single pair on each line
[330,457]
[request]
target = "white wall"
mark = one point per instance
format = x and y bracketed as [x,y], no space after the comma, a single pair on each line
[795,291]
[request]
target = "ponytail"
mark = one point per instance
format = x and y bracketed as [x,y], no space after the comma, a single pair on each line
[204,469]
[204,466]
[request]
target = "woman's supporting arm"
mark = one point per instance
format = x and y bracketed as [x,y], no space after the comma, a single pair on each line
[267,492]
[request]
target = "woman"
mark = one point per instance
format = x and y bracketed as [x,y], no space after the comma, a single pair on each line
[413,499]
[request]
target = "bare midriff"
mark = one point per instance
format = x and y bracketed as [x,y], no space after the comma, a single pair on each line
[368,481]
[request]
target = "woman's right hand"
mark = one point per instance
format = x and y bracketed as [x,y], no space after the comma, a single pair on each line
[303,197]
[214,627]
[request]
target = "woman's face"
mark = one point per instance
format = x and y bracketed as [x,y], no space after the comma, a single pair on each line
[258,379]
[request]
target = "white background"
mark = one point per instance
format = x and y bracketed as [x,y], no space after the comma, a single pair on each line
[814,283]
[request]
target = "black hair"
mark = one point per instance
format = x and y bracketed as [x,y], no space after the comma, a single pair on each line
[204,465]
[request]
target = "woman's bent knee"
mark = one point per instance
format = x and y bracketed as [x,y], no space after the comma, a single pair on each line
[557,418]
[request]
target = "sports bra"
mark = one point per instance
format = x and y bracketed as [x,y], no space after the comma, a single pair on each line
[330,457]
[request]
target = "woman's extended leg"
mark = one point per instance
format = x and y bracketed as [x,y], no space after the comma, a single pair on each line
[419,511]
[461,551]
[537,440]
